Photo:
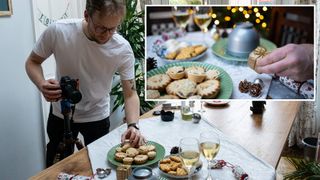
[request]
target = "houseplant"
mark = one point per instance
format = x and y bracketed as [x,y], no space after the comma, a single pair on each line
[132,29]
[304,169]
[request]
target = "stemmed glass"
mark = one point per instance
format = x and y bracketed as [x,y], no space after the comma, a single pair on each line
[189,153]
[181,16]
[202,18]
[209,146]
[201,110]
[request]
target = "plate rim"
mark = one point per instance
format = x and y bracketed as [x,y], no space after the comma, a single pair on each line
[115,163]
[190,59]
[236,59]
[202,64]
[177,177]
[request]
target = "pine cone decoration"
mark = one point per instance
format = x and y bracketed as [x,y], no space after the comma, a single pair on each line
[255,90]
[244,86]
[175,150]
[151,63]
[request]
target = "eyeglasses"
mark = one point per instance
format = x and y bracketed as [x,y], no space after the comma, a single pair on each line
[102,29]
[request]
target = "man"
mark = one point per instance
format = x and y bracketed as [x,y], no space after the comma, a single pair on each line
[90,50]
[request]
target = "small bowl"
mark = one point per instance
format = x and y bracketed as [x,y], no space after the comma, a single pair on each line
[242,40]
[167,115]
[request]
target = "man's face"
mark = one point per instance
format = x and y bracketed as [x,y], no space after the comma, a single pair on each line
[101,28]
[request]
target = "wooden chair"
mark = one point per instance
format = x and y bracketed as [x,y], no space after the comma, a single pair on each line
[159,19]
[292,25]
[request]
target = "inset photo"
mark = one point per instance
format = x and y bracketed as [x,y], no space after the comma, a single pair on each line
[230,52]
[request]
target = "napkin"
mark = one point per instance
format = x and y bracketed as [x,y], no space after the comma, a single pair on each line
[305,89]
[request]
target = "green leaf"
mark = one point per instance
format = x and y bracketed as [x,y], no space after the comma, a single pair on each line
[132,29]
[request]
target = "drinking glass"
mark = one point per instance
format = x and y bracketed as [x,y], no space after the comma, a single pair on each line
[201,110]
[209,147]
[181,16]
[189,153]
[202,18]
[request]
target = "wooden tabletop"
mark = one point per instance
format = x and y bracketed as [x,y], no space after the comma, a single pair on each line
[262,135]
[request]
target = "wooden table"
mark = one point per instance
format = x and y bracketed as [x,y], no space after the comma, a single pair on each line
[263,135]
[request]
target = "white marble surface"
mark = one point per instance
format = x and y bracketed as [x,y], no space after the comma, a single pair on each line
[168,134]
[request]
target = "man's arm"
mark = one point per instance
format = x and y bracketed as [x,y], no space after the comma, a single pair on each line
[132,109]
[131,101]
[49,88]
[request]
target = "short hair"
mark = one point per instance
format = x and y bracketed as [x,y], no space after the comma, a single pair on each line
[106,7]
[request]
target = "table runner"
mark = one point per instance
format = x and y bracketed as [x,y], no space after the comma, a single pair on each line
[168,134]
[238,71]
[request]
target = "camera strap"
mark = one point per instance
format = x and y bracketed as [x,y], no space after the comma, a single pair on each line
[73,107]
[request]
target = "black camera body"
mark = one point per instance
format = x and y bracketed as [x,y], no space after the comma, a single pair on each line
[70,90]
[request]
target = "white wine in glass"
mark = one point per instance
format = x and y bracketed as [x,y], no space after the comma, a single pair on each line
[181,16]
[203,21]
[203,18]
[189,153]
[209,147]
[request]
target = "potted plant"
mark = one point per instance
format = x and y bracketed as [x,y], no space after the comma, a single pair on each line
[132,29]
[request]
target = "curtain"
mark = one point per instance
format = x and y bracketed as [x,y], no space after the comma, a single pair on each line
[307,123]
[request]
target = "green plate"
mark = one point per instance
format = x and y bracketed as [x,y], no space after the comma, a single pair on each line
[219,48]
[225,79]
[159,149]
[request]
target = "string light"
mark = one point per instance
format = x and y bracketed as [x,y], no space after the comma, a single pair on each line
[247,16]
[214,15]
[257,14]
[245,12]
[261,17]
[227,18]
[216,22]
[264,8]
[257,21]
[229,7]
[233,10]
[255,10]
[264,25]
[240,9]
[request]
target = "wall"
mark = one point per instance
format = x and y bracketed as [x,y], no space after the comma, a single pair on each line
[21,126]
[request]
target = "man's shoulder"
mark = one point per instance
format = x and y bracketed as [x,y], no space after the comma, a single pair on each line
[120,39]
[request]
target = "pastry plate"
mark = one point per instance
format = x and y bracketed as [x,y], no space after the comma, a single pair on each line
[170,176]
[219,48]
[159,149]
[217,103]
[225,79]
[162,51]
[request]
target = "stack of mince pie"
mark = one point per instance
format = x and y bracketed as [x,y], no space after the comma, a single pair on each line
[184,82]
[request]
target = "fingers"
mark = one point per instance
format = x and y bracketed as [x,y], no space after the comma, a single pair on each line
[134,136]
[274,56]
[51,90]
[275,68]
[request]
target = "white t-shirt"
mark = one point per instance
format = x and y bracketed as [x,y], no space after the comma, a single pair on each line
[92,63]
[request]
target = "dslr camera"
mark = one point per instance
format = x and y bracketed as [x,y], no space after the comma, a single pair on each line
[70,89]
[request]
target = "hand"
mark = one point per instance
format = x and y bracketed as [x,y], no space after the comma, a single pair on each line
[134,136]
[51,90]
[293,61]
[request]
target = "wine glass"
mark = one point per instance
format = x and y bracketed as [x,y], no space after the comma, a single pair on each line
[181,16]
[189,153]
[201,110]
[202,18]
[209,146]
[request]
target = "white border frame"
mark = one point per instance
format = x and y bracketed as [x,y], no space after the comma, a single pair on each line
[315,41]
